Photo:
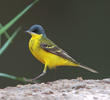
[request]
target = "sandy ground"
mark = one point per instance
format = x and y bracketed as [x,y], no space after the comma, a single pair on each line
[75,89]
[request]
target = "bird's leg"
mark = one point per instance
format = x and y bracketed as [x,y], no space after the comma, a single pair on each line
[34,79]
[38,76]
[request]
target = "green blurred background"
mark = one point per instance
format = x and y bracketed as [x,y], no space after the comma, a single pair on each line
[80,27]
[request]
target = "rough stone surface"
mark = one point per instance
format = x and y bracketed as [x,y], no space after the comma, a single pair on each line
[75,89]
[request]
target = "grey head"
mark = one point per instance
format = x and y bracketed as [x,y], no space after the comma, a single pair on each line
[36,29]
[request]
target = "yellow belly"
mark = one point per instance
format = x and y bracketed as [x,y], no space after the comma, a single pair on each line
[47,58]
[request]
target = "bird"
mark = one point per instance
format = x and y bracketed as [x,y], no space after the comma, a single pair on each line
[48,53]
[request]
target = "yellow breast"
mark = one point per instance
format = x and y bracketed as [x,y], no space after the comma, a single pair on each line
[34,47]
[45,57]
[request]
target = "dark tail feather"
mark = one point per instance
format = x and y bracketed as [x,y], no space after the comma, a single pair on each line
[89,69]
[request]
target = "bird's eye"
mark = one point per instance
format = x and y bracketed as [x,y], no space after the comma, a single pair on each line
[35,31]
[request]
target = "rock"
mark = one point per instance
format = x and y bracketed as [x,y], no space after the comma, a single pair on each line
[73,89]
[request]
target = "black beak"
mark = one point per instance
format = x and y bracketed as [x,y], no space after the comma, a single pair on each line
[28,32]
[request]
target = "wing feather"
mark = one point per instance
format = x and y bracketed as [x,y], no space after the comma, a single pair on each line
[57,51]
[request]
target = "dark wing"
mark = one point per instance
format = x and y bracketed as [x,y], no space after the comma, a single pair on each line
[57,51]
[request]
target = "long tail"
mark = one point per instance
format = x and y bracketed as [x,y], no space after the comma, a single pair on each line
[87,68]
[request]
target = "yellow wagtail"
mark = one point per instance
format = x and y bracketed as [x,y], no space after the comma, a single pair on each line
[48,52]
